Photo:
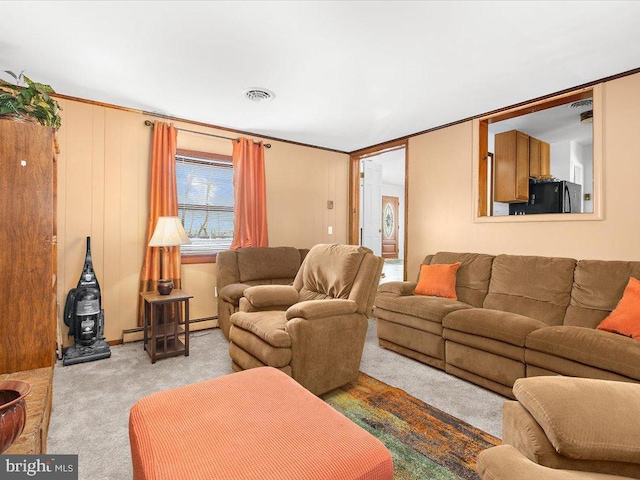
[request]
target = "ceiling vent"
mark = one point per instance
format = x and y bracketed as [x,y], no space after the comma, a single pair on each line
[586,117]
[582,103]
[259,95]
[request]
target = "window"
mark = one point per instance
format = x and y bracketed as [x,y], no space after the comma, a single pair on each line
[541,159]
[205,201]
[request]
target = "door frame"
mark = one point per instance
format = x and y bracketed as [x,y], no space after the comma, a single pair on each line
[354,190]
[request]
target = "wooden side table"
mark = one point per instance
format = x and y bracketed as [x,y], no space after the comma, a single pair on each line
[162,340]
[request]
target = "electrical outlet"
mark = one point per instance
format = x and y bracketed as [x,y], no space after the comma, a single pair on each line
[330,230]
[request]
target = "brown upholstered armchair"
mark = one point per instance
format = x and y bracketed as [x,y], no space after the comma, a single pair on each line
[564,428]
[315,329]
[244,267]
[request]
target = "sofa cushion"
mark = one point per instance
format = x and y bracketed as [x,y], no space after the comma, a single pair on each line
[329,271]
[364,288]
[438,280]
[521,430]
[600,429]
[271,295]
[233,292]
[472,279]
[226,268]
[398,288]
[598,286]
[503,326]
[278,357]
[263,263]
[270,281]
[625,318]
[496,368]
[536,287]
[604,350]
[485,344]
[505,462]
[314,309]
[411,321]
[433,309]
[268,325]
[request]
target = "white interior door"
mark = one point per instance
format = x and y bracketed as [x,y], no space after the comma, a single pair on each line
[372,207]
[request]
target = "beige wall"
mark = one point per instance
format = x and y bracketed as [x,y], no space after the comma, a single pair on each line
[440,195]
[103,189]
[103,178]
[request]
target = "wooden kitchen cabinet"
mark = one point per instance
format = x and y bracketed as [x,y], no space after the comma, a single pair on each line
[534,157]
[28,239]
[511,167]
[539,159]
[545,160]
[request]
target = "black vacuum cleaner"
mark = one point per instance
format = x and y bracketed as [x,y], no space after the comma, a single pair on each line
[84,316]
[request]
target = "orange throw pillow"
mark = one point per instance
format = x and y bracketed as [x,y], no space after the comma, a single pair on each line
[438,280]
[625,318]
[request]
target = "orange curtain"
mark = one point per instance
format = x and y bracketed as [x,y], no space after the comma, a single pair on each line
[163,201]
[250,195]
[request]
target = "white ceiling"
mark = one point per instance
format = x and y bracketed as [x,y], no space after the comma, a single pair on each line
[346,75]
[553,125]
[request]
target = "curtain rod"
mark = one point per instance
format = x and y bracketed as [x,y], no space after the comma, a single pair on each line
[149,123]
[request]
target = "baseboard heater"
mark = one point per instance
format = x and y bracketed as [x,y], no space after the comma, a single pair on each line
[193,322]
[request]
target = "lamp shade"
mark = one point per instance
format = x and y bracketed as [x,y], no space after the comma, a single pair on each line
[169,232]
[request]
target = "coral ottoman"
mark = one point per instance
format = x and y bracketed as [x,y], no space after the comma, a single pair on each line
[255,424]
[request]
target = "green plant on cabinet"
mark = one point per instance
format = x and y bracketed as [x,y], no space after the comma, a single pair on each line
[28,100]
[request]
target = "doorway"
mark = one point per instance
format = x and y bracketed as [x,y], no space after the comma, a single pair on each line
[390,226]
[378,203]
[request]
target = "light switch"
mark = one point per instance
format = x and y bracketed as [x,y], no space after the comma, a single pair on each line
[330,230]
[330,204]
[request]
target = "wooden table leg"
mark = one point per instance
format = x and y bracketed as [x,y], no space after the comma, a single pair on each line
[165,317]
[154,331]
[146,323]
[186,328]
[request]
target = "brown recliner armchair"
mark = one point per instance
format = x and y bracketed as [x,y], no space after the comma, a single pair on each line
[242,268]
[315,329]
[564,428]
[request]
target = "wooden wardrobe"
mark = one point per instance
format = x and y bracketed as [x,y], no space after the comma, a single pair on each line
[28,249]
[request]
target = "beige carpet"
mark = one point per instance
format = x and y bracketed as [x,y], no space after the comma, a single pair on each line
[91,401]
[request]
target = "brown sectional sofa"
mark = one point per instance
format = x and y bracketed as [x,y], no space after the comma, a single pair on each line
[247,267]
[516,316]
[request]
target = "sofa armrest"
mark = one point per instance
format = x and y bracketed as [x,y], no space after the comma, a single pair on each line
[402,289]
[600,408]
[233,292]
[263,296]
[505,462]
[311,309]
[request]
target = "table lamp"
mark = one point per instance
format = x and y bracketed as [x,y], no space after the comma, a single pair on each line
[169,232]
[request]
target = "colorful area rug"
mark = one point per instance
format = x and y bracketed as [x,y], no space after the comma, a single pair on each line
[425,443]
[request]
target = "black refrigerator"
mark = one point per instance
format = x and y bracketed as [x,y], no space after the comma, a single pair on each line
[550,197]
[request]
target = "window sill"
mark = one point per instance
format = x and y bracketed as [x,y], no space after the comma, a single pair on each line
[540,217]
[199,258]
